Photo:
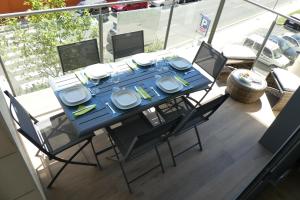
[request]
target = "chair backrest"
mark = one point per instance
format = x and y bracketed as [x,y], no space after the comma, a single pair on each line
[199,114]
[127,44]
[24,120]
[77,55]
[151,137]
[210,60]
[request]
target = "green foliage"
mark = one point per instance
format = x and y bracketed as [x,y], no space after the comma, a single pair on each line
[155,46]
[35,38]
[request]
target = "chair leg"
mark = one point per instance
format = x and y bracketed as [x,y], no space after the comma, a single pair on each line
[84,155]
[172,153]
[66,163]
[125,176]
[121,165]
[159,159]
[96,157]
[198,138]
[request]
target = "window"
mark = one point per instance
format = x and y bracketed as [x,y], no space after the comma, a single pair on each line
[248,43]
[292,41]
[277,53]
[257,46]
[267,53]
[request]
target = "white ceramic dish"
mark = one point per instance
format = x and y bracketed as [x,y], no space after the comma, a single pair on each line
[74,96]
[143,59]
[244,79]
[169,84]
[125,99]
[180,64]
[98,71]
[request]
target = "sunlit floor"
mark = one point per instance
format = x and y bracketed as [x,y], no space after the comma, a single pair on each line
[231,157]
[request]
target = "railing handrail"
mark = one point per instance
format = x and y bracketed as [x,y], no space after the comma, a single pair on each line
[101,5]
[52,10]
[272,11]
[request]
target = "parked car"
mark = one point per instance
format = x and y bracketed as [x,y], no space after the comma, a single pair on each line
[271,54]
[286,47]
[290,24]
[158,3]
[294,39]
[125,7]
[187,1]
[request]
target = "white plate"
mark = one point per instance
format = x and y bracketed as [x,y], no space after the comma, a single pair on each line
[78,103]
[74,94]
[84,94]
[98,71]
[125,99]
[169,84]
[180,64]
[143,59]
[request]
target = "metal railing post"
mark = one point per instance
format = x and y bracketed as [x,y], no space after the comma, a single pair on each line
[216,21]
[169,25]
[100,35]
[265,39]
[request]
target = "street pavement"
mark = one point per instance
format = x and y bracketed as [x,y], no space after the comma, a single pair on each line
[186,18]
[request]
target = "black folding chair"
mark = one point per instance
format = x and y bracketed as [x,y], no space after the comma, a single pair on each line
[77,55]
[134,138]
[212,62]
[50,137]
[127,44]
[191,118]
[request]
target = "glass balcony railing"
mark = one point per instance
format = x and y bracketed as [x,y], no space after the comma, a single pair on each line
[29,54]
[186,28]
[29,48]
[152,21]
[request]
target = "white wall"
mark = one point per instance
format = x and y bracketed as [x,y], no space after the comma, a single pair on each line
[18,179]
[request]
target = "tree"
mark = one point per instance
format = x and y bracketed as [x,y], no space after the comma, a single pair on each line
[35,38]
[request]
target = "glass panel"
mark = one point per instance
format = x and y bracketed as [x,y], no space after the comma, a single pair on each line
[284,53]
[191,22]
[152,21]
[249,30]
[29,46]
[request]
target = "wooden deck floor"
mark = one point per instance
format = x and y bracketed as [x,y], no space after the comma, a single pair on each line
[230,159]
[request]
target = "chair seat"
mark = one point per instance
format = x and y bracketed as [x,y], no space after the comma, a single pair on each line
[59,134]
[124,135]
[175,108]
[178,108]
[287,80]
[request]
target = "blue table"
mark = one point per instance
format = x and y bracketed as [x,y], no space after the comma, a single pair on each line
[102,116]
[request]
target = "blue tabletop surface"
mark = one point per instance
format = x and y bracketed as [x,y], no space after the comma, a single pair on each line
[102,116]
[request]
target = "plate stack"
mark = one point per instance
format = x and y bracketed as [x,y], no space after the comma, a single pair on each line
[169,84]
[125,99]
[144,59]
[75,95]
[98,71]
[180,64]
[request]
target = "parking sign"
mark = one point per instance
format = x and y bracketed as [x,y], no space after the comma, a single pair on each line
[204,24]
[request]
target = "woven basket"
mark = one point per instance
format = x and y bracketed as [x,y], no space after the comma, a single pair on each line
[242,93]
[275,89]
